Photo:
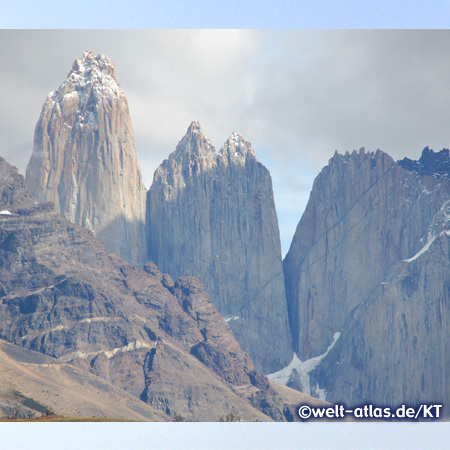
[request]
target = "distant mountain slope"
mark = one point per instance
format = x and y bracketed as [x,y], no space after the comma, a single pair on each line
[64,388]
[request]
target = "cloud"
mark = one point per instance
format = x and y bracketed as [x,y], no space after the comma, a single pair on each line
[347,89]
[297,95]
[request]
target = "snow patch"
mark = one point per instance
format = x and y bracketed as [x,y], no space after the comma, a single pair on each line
[236,138]
[438,227]
[227,319]
[427,246]
[5,213]
[283,375]
[421,251]
[304,368]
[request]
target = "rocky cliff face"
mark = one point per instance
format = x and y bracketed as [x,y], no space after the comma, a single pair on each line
[63,295]
[211,214]
[394,345]
[84,159]
[369,259]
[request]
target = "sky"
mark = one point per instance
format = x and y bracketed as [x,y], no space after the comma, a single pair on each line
[275,14]
[296,95]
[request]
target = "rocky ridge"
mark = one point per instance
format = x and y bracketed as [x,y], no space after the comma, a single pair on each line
[84,159]
[63,295]
[32,380]
[211,214]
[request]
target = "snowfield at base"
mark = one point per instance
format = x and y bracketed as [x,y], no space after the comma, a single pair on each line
[303,369]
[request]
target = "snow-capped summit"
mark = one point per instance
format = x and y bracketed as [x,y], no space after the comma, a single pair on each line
[90,76]
[84,159]
[90,63]
[236,150]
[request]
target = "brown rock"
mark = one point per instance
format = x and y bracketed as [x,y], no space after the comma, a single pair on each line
[63,295]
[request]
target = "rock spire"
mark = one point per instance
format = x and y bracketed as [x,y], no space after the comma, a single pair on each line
[212,215]
[84,158]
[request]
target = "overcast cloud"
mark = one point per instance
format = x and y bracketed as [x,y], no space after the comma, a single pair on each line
[296,95]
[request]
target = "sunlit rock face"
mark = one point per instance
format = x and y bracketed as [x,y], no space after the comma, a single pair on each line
[370,260]
[211,214]
[84,158]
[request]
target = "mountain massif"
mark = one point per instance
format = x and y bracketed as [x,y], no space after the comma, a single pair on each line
[206,214]
[198,304]
[370,260]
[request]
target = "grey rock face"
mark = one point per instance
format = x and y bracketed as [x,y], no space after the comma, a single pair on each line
[212,215]
[369,259]
[393,348]
[84,159]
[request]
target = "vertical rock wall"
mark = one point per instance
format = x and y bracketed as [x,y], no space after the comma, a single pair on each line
[369,259]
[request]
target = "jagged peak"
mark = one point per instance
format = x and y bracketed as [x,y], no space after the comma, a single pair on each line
[194,131]
[89,62]
[359,155]
[431,163]
[236,137]
[194,128]
[194,142]
[236,149]
[96,73]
